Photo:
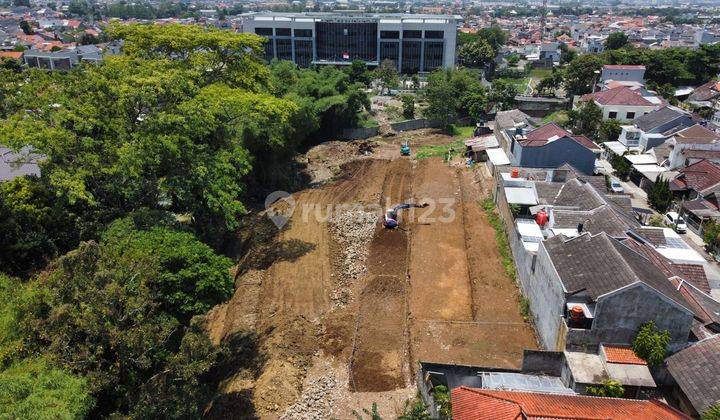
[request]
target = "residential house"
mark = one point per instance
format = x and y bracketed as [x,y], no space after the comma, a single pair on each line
[705,306]
[480,404]
[693,144]
[593,289]
[623,103]
[696,370]
[550,53]
[698,186]
[623,73]
[654,128]
[593,44]
[506,123]
[550,146]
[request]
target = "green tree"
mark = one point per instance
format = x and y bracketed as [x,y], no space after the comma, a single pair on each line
[26,28]
[711,233]
[441,395]
[586,119]
[580,74]
[387,74]
[408,102]
[33,388]
[609,388]
[621,166]
[660,196]
[712,412]
[608,130]
[567,54]
[650,344]
[549,84]
[441,97]
[415,410]
[474,101]
[616,40]
[477,54]
[502,94]
[358,73]
[494,35]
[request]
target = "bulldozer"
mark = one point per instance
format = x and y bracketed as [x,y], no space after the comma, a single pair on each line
[391,215]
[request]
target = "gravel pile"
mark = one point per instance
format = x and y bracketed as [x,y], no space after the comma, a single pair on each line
[353,229]
[315,402]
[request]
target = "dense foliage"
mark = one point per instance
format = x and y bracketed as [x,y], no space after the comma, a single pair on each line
[149,161]
[454,93]
[660,196]
[650,344]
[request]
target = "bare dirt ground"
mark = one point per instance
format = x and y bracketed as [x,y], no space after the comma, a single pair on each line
[433,290]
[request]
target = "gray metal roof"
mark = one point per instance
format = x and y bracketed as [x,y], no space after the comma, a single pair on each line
[654,119]
[522,382]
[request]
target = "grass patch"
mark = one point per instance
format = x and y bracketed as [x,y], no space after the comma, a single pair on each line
[502,241]
[524,307]
[443,150]
[558,117]
[520,84]
[464,132]
[367,122]
[539,73]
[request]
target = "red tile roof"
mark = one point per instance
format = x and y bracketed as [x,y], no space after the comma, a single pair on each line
[540,135]
[621,95]
[623,67]
[479,404]
[623,355]
[11,54]
[586,142]
[698,176]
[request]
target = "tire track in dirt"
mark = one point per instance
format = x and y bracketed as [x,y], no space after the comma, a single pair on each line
[379,359]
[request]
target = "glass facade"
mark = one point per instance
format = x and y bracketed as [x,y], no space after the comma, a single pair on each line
[303,53]
[433,58]
[284,49]
[411,56]
[389,51]
[340,41]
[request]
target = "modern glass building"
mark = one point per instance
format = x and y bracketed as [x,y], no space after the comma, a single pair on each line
[416,43]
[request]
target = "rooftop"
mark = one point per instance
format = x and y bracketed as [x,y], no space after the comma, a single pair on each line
[654,119]
[618,96]
[479,404]
[696,370]
[623,67]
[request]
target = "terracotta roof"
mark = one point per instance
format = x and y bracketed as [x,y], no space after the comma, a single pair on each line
[11,54]
[623,355]
[540,135]
[479,404]
[623,67]
[705,307]
[698,176]
[621,95]
[696,134]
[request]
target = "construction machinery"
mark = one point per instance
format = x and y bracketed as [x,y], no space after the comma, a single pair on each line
[390,219]
[405,149]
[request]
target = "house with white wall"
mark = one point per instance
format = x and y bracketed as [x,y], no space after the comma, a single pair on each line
[692,145]
[623,103]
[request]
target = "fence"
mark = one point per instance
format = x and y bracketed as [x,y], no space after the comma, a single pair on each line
[414,125]
[359,133]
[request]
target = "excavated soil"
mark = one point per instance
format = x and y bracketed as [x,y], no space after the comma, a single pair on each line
[433,290]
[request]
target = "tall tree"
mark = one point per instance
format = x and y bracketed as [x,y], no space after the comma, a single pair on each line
[585,119]
[650,344]
[660,196]
[502,94]
[616,40]
[387,74]
[441,98]
[580,75]
[477,54]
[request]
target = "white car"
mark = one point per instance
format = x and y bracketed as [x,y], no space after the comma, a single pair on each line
[616,186]
[673,220]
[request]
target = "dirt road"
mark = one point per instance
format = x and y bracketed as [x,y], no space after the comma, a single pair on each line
[433,290]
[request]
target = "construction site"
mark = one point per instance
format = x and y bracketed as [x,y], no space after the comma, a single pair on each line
[351,302]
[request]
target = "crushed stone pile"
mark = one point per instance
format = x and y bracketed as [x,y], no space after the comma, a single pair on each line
[316,401]
[353,230]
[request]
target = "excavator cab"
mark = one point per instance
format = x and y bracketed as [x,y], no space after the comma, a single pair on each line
[405,149]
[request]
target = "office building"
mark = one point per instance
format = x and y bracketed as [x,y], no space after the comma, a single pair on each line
[416,43]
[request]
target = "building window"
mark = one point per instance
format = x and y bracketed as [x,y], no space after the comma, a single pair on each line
[434,34]
[284,49]
[630,115]
[612,115]
[433,56]
[390,34]
[411,56]
[264,31]
[303,53]
[282,31]
[303,33]
[389,51]
[343,42]
[412,34]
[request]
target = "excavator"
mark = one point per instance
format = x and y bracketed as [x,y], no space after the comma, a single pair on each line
[391,215]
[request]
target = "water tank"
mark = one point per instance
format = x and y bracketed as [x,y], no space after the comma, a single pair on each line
[515,173]
[541,218]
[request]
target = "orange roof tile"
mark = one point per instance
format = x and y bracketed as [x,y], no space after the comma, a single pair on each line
[624,355]
[11,54]
[479,404]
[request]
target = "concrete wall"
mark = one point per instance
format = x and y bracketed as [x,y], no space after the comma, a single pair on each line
[625,75]
[414,124]
[360,133]
[619,315]
[540,107]
[622,110]
[543,362]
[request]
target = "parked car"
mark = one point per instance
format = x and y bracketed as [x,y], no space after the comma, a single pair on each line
[676,222]
[616,186]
